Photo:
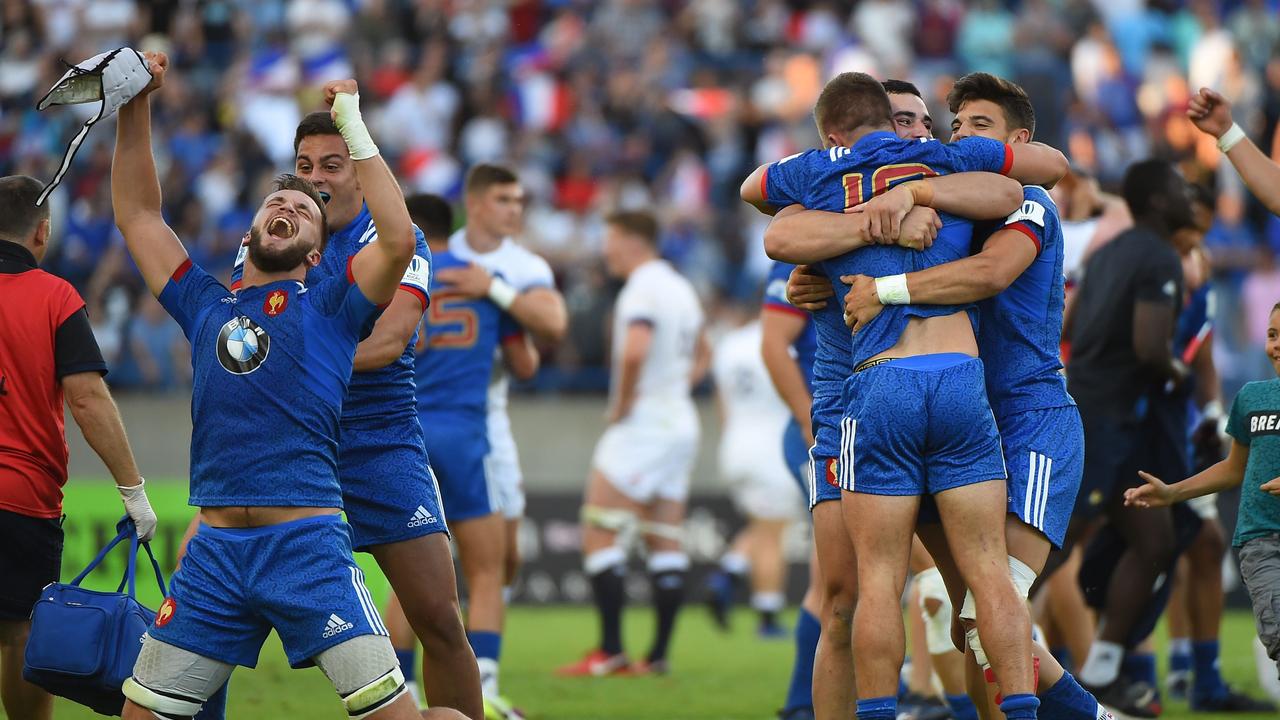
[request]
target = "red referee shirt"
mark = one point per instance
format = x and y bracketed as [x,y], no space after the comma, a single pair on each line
[44,336]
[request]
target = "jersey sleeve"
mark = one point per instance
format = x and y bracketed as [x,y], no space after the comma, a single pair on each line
[1238,420]
[1158,279]
[979,154]
[75,349]
[340,298]
[237,269]
[1034,218]
[775,290]
[417,277]
[637,306]
[189,292]
[786,180]
[537,273]
[508,328]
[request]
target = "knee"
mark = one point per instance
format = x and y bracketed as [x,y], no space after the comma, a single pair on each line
[1210,546]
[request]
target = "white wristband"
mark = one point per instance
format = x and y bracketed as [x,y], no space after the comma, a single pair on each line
[1212,410]
[1231,138]
[346,115]
[502,293]
[892,290]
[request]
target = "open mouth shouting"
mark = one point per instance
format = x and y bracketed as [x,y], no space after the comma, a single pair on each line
[282,227]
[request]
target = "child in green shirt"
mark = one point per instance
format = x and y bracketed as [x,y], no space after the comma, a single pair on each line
[1254,462]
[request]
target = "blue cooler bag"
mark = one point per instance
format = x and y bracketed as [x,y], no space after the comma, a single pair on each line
[83,642]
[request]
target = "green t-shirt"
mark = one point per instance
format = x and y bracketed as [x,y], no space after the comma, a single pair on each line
[1255,422]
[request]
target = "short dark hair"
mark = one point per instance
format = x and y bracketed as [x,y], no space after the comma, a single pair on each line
[431,213]
[316,123]
[1145,181]
[19,214]
[1202,195]
[485,175]
[901,87]
[852,100]
[640,223]
[289,181]
[1010,96]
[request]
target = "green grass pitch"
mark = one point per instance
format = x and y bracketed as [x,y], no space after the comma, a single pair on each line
[715,676]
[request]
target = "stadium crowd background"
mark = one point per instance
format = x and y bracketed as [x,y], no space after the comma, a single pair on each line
[616,103]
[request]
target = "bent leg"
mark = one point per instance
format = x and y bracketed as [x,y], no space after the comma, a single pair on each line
[170,682]
[367,677]
[421,572]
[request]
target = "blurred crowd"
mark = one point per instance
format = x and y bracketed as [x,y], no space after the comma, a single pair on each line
[613,103]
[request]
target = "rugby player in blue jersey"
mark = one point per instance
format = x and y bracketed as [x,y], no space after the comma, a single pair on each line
[916,344]
[391,501]
[456,354]
[270,372]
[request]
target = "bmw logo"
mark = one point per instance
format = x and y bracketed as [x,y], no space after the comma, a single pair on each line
[242,345]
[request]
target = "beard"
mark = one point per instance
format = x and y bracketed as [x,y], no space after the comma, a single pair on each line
[273,260]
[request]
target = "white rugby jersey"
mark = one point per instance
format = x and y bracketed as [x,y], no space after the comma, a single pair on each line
[524,270]
[657,295]
[753,411]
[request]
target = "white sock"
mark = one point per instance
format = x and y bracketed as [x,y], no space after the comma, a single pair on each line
[1103,664]
[767,601]
[1180,646]
[735,563]
[488,676]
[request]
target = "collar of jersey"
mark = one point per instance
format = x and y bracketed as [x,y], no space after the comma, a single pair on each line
[876,136]
[358,222]
[14,252]
[297,286]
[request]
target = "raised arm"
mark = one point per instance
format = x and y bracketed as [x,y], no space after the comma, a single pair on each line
[1211,112]
[391,333]
[378,267]
[540,309]
[135,188]
[1037,164]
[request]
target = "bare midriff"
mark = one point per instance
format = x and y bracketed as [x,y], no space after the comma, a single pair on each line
[931,335]
[246,517]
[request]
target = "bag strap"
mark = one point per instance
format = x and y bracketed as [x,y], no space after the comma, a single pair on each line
[122,535]
[131,570]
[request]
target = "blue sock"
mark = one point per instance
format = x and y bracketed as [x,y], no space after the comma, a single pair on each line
[1062,654]
[881,708]
[962,707]
[1140,667]
[902,687]
[1179,655]
[408,662]
[800,691]
[1208,682]
[1020,707]
[1066,700]
[485,644]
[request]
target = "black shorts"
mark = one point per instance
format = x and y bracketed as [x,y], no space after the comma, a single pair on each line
[30,559]
[1111,447]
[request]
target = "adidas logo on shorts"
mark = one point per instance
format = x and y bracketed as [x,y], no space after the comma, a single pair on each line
[336,625]
[421,517]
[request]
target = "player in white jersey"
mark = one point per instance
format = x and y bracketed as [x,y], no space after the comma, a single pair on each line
[752,467]
[640,473]
[521,284]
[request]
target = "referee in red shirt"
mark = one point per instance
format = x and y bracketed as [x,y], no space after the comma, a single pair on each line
[47,351]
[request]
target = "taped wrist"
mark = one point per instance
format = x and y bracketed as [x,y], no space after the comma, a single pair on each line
[892,290]
[502,293]
[1231,138]
[346,115]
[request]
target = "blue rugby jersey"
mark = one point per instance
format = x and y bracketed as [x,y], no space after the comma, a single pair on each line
[1021,328]
[461,338]
[775,298]
[270,368]
[838,178]
[387,392]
